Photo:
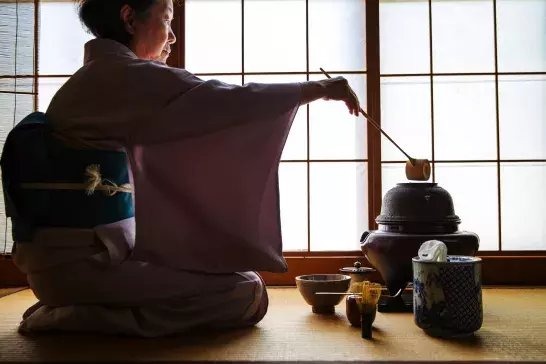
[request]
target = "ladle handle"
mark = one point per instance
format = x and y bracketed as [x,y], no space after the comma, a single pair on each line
[338,293]
[353,294]
[372,121]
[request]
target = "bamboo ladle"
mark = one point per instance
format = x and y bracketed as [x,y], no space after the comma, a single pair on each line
[416,169]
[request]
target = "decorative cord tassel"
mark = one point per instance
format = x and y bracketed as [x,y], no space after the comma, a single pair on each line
[95,182]
[93,178]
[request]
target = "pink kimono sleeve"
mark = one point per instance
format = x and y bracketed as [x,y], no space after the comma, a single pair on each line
[212,106]
[206,193]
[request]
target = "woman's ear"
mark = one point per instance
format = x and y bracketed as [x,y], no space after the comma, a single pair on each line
[128,16]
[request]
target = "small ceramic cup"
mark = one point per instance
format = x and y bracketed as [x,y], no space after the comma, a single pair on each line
[447,296]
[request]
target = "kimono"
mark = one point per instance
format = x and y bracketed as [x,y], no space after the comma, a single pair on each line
[202,163]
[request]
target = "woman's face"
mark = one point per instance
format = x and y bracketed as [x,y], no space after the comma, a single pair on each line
[152,35]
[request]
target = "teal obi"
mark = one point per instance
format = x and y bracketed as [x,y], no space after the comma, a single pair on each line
[45,182]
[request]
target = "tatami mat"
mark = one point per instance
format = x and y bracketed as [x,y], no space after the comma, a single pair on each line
[514,329]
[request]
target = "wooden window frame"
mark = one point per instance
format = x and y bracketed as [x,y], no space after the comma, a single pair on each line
[499,267]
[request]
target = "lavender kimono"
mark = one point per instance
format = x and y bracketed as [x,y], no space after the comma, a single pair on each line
[203,157]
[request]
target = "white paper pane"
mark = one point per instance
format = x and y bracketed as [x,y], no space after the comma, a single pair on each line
[339,205]
[7,237]
[474,190]
[296,144]
[521,32]
[391,175]
[229,79]
[404,36]
[17,84]
[337,35]
[394,173]
[523,198]
[463,36]
[522,117]
[275,78]
[47,88]
[16,58]
[334,132]
[62,38]
[213,36]
[17,38]
[275,36]
[465,121]
[405,116]
[13,108]
[293,199]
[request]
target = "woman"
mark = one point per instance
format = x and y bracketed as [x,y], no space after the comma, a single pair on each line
[203,159]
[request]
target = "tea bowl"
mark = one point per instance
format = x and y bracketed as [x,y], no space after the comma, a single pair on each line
[309,285]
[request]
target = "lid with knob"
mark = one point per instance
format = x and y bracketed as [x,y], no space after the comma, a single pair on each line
[418,204]
[357,268]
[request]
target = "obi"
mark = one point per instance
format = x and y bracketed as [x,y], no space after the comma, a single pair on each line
[47,184]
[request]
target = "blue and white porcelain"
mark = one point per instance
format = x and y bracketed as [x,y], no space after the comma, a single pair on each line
[447,296]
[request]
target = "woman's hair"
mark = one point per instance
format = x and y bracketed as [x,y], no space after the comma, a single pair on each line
[103,17]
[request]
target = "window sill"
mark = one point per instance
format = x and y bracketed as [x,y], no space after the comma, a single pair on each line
[517,269]
[10,276]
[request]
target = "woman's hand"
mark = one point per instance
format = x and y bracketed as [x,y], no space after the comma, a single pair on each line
[336,88]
